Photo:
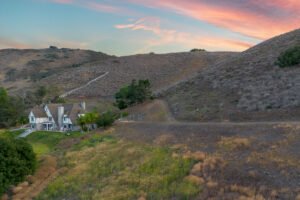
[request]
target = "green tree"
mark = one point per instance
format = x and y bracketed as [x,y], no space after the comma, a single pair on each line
[11,109]
[106,119]
[17,160]
[136,92]
[87,119]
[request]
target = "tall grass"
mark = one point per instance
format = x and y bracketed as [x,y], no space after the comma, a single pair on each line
[123,170]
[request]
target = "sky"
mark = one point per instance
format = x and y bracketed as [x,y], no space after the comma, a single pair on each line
[125,27]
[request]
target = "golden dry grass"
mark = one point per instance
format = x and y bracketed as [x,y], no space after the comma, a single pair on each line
[234,143]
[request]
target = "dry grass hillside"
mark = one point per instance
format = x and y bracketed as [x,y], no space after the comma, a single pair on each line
[27,68]
[247,86]
[67,69]
[163,70]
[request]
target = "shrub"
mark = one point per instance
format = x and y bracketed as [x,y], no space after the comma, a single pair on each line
[198,50]
[17,160]
[106,119]
[289,58]
[136,92]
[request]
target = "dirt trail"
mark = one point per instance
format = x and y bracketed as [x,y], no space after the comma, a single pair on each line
[85,85]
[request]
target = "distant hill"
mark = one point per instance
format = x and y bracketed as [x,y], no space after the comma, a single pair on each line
[25,69]
[67,69]
[247,86]
[163,70]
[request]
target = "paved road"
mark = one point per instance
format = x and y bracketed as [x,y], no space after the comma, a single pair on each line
[81,87]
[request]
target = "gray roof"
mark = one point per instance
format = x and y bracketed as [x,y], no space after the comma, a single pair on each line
[39,112]
[71,110]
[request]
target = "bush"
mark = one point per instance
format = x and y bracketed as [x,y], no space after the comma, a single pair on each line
[136,92]
[106,119]
[197,50]
[17,160]
[289,58]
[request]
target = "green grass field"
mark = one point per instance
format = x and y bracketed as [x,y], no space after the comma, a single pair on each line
[44,142]
[104,167]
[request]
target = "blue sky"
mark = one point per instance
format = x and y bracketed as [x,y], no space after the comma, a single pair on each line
[141,26]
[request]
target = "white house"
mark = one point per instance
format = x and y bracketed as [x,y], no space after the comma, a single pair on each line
[59,117]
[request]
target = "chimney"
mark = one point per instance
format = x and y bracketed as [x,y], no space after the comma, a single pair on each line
[82,105]
[60,115]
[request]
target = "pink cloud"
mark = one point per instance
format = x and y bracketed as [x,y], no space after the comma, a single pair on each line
[243,18]
[171,36]
[148,24]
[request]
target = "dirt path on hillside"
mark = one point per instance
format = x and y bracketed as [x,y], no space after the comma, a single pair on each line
[85,85]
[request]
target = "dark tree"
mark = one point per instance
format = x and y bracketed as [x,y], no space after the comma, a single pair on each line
[17,160]
[11,109]
[136,92]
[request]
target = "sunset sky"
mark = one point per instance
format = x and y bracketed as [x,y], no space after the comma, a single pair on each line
[123,27]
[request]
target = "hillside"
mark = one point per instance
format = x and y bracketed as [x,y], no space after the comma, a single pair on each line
[25,69]
[163,70]
[247,86]
[67,69]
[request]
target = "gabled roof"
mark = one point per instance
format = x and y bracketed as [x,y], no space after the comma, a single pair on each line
[39,112]
[53,110]
[74,111]
[71,110]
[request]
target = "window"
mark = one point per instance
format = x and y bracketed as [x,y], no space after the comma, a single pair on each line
[65,118]
[32,119]
[50,119]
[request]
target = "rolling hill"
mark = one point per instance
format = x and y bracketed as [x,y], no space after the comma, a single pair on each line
[67,69]
[25,69]
[247,86]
